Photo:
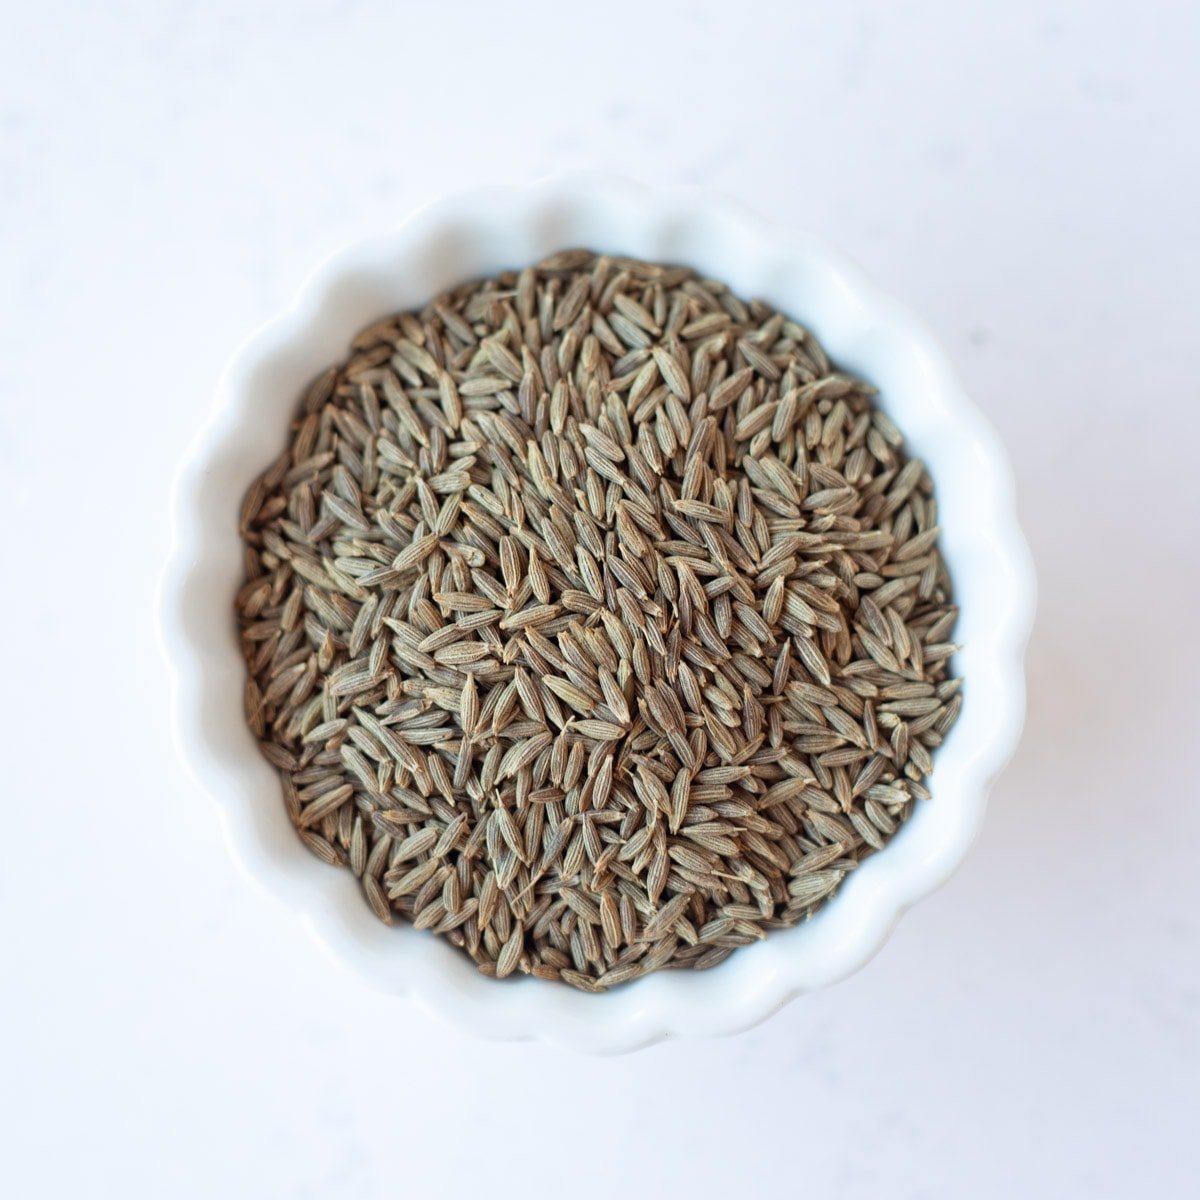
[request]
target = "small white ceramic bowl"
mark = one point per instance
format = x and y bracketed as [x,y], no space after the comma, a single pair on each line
[477,234]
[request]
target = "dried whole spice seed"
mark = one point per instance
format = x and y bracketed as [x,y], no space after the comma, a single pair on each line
[595,621]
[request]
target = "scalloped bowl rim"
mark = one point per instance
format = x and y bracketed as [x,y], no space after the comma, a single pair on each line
[477,233]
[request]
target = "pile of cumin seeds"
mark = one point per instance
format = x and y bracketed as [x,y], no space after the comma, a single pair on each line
[595,621]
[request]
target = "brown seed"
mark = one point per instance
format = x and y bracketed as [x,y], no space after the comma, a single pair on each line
[594,621]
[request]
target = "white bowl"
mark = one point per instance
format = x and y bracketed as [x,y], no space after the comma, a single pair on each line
[477,234]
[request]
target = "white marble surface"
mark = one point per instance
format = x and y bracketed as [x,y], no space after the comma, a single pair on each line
[1024,174]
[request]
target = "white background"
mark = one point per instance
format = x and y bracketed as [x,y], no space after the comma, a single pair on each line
[1025,174]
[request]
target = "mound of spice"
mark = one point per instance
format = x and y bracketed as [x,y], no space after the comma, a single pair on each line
[595,621]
